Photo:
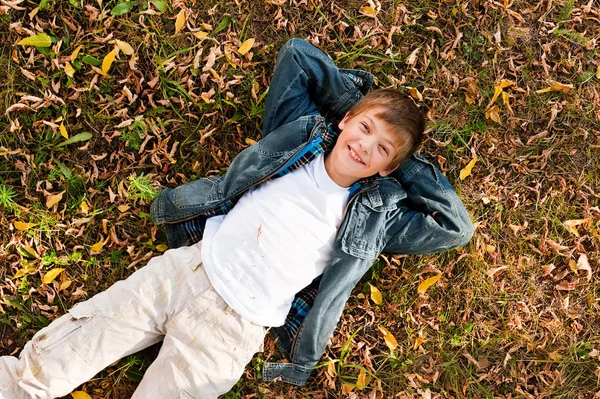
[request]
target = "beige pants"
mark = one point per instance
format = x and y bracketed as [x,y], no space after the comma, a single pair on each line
[206,344]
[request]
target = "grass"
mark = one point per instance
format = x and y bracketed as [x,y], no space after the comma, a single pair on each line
[511,335]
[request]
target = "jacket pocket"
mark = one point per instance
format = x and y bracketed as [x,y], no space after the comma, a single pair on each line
[363,237]
[61,330]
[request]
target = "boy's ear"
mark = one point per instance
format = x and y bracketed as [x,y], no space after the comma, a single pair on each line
[386,172]
[343,121]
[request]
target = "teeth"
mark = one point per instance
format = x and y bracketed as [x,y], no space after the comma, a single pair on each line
[354,155]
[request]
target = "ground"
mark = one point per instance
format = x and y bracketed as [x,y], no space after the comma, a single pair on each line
[109,101]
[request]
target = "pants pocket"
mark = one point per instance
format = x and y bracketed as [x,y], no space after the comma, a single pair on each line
[61,330]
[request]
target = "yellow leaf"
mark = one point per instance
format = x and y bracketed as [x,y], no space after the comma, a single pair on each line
[389,338]
[23,226]
[361,382]
[201,35]
[249,141]
[75,52]
[180,21]
[414,93]
[331,370]
[69,69]
[571,225]
[347,388]
[598,72]
[84,207]
[368,11]
[97,247]
[64,285]
[161,247]
[505,83]
[466,171]
[108,60]
[51,275]
[80,395]
[31,251]
[376,295]
[428,283]
[246,46]
[556,86]
[124,47]
[63,131]
[493,114]
[53,199]
[418,342]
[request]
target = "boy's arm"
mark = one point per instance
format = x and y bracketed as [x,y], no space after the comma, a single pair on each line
[305,82]
[432,218]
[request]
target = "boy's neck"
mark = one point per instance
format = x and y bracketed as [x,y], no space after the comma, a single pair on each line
[335,175]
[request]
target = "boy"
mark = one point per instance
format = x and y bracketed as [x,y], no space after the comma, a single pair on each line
[302,210]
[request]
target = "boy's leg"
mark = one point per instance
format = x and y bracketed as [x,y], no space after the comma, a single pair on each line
[304,81]
[124,319]
[205,350]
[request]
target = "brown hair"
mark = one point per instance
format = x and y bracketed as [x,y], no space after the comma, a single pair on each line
[400,113]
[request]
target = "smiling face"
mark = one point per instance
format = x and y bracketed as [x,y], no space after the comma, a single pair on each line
[366,146]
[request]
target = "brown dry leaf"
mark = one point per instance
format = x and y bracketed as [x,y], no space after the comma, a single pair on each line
[466,171]
[108,60]
[52,200]
[63,131]
[23,226]
[331,370]
[425,284]
[389,338]
[414,93]
[583,264]
[566,286]
[347,388]
[495,270]
[123,208]
[69,70]
[179,21]
[51,275]
[246,46]
[124,47]
[376,295]
[556,86]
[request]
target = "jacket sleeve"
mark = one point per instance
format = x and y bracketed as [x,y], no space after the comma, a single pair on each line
[431,218]
[307,82]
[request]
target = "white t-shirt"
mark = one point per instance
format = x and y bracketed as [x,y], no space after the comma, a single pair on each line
[274,242]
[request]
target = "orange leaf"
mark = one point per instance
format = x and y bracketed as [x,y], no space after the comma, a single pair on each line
[80,395]
[428,283]
[418,342]
[23,226]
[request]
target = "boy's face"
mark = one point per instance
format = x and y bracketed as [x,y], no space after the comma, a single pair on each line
[366,146]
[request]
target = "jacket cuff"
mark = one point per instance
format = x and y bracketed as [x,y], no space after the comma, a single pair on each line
[287,372]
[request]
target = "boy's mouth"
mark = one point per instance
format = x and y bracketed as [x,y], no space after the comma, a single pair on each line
[354,155]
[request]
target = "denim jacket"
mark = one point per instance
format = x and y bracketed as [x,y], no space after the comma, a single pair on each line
[414,210]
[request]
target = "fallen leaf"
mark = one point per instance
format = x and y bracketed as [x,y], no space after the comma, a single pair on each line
[180,21]
[598,72]
[80,395]
[97,247]
[583,264]
[389,338]
[571,225]
[161,247]
[361,380]
[124,47]
[64,285]
[108,60]
[69,70]
[39,40]
[246,46]
[201,35]
[566,286]
[418,342]
[75,52]
[52,200]
[249,141]
[556,86]
[495,270]
[466,171]
[63,131]
[331,369]
[31,251]
[416,94]
[428,283]
[347,388]
[51,275]
[376,295]
[123,208]
[23,226]
[84,207]
[493,113]
[368,11]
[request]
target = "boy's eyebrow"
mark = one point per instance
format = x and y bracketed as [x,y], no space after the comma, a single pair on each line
[372,127]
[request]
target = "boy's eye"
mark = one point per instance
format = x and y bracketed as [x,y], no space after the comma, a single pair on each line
[384,148]
[365,126]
